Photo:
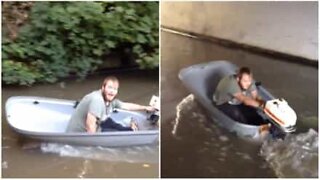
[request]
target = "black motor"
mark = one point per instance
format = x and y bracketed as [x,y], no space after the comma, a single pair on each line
[154,117]
[277,133]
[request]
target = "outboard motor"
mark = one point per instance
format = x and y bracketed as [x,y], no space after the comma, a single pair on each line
[154,117]
[281,115]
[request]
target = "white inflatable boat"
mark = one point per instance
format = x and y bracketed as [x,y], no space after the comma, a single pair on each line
[47,119]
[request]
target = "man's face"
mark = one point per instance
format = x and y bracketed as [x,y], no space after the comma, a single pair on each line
[245,81]
[110,90]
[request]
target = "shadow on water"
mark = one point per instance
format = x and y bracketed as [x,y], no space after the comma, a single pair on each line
[195,146]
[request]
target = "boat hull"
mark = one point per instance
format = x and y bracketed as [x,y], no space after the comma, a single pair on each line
[114,139]
[46,119]
[202,79]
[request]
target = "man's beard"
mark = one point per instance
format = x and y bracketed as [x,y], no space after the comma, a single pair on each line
[242,89]
[104,95]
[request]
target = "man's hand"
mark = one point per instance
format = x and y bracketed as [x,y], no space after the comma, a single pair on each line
[134,125]
[150,109]
[262,103]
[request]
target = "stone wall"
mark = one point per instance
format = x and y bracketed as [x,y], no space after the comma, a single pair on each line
[286,27]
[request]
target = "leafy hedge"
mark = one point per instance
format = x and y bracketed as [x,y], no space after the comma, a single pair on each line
[63,38]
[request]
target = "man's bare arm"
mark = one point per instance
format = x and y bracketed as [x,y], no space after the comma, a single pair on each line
[255,94]
[247,100]
[136,107]
[91,125]
[258,98]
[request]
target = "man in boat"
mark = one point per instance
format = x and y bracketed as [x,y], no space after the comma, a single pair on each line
[237,96]
[91,114]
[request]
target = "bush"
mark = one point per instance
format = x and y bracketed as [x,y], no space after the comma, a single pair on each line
[18,73]
[63,38]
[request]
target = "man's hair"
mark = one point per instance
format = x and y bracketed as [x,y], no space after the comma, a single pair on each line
[110,78]
[244,70]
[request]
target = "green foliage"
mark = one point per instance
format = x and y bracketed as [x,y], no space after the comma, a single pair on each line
[63,38]
[18,73]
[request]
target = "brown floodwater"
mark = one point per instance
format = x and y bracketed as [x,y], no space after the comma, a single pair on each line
[193,146]
[23,157]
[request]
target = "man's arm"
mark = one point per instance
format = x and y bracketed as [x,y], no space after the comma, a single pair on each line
[247,100]
[91,125]
[258,98]
[136,107]
[255,94]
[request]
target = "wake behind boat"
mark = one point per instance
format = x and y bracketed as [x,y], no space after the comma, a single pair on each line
[202,80]
[47,119]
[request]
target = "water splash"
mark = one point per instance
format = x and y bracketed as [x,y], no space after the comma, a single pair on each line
[138,154]
[85,169]
[184,104]
[295,156]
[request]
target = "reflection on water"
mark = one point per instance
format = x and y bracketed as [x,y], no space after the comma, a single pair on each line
[137,154]
[307,121]
[295,156]
[215,149]
[86,167]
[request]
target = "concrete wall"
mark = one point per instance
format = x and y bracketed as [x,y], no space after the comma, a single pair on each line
[287,27]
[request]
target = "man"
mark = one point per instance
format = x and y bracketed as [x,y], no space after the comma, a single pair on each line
[237,96]
[95,107]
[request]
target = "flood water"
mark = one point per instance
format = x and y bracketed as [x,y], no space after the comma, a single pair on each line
[193,146]
[22,157]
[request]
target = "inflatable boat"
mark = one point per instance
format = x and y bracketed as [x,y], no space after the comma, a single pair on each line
[47,119]
[202,79]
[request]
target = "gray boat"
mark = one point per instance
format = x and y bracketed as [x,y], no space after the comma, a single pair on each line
[47,119]
[202,79]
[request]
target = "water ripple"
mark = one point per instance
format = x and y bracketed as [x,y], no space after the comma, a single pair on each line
[146,154]
[295,156]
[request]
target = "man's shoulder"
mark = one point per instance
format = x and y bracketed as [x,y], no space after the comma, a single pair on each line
[95,95]
[229,80]
[116,103]
[232,77]
[231,83]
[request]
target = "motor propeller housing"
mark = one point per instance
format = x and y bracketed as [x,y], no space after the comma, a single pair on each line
[281,114]
[154,102]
